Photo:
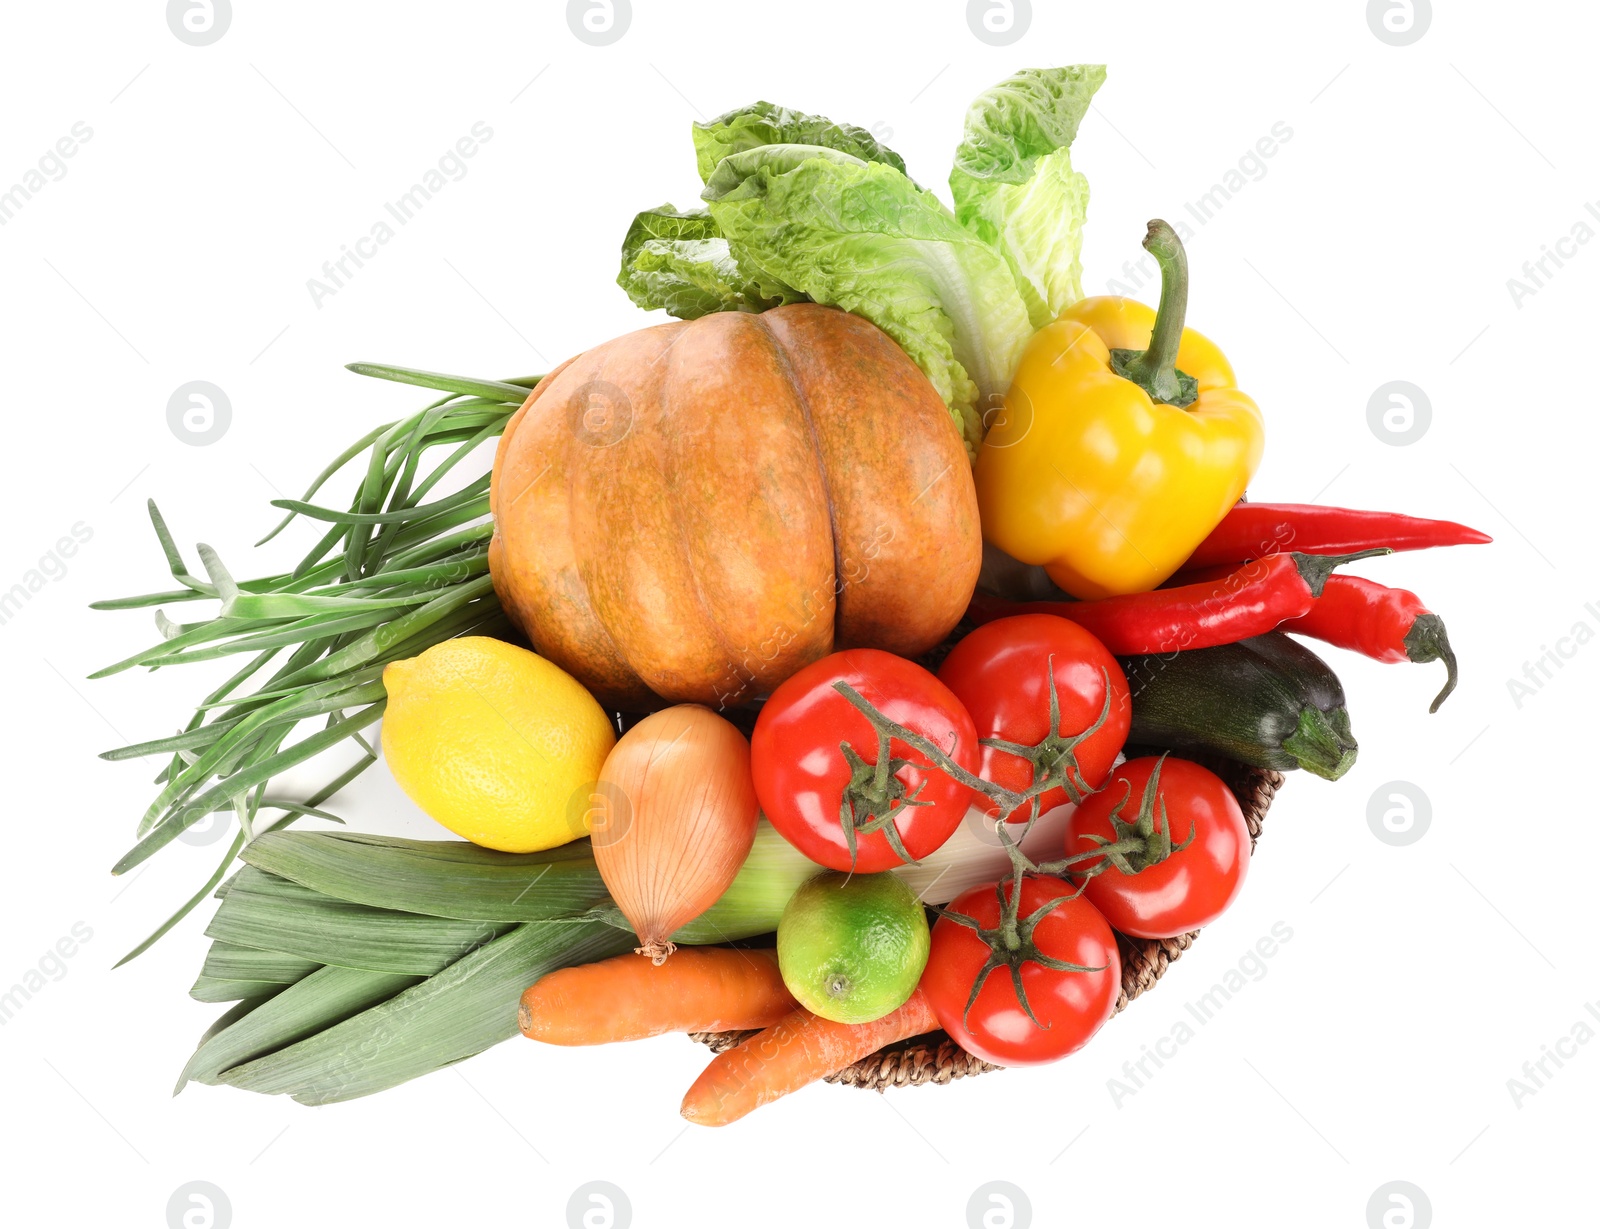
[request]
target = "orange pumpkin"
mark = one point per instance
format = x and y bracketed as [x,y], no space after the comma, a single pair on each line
[695,511]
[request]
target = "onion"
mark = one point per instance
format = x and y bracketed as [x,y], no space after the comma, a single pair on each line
[673,820]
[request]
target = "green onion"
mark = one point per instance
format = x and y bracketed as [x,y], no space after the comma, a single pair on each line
[397,571]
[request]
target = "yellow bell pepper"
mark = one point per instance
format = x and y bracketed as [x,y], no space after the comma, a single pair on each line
[1122,443]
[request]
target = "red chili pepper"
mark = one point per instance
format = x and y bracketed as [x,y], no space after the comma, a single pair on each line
[1382,623]
[1252,531]
[1250,601]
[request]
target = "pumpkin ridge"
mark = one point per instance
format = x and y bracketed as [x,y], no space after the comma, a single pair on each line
[816,451]
[681,538]
[567,443]
[712,575]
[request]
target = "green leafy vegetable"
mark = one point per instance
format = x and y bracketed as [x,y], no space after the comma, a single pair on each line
[765,123]
[863,237]
[679,261]
[802,207]
[1014,185]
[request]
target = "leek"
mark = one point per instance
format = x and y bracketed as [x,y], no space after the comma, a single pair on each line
[973,856]
[359,962]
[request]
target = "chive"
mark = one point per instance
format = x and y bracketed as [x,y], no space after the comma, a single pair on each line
[198,635]
[292,708]
[148,599]
[184,909]
[188,740]
[338,463]
[180,571]
[428,551]
[468,494]
[300,631]
[482,435]
[164,833]
[355,678]
[488,389]
[374,642]
[294,811]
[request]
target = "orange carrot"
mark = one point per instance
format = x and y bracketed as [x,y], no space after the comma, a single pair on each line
[698,989]
[797,1050]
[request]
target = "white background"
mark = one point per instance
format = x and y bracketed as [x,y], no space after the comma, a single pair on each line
[1376,247]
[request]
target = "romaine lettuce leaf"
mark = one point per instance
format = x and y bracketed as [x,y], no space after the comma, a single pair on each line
[1014,185]
[765,123]
[861,236]
[802,207]
[680,261]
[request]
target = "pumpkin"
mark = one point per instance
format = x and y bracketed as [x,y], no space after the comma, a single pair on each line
[694,511]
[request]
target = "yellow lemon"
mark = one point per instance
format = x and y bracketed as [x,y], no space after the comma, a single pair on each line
[495,743]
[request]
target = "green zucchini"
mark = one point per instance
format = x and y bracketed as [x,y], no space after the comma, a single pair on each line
[1268,701]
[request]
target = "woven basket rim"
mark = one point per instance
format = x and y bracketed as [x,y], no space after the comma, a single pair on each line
[936,1059]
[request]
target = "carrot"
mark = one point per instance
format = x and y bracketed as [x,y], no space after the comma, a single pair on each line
[699,989]
[797,1050]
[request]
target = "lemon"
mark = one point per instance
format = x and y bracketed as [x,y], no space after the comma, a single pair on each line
[851,947]
[495,743]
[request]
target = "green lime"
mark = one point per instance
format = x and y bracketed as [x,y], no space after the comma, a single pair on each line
[851,947]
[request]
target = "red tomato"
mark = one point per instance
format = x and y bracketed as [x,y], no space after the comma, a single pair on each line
[802,773]
[1071,1005]
[1210,848]
[1001,673]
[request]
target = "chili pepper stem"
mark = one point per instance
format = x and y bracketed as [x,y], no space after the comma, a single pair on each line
[1156,368]
[1427,641]
[1316,569]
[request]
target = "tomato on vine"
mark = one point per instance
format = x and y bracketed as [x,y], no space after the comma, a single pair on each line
[1030,992]
[841,792]
[1046,697]
[1162,850]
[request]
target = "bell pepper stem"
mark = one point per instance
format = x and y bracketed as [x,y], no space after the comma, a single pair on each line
[1156,369]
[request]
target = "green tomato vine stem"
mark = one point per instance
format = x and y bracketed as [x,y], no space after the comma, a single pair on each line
[1055,766]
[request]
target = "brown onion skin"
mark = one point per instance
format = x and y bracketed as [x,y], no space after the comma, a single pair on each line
[673,819]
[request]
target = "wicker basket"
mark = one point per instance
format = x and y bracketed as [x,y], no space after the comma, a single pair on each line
[935,1059]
